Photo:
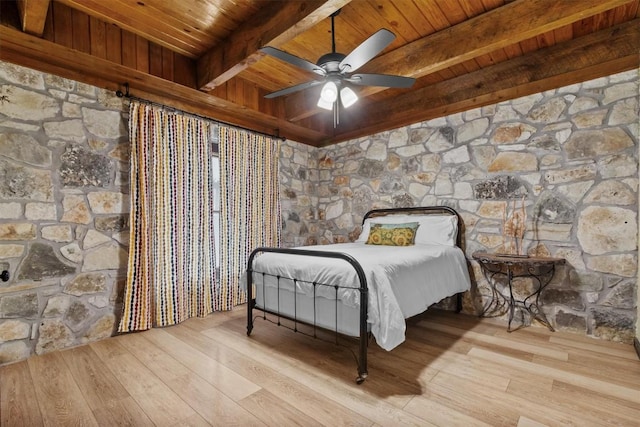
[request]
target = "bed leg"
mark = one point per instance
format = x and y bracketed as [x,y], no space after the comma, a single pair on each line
[250,300]
[458,302]
[361,379]
[362,369]
[250,316]
[362,365]
[364,337]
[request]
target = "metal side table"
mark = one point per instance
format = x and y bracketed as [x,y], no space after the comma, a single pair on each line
[540,269]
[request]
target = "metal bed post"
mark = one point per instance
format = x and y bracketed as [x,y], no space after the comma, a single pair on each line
[364,307]
[250,300]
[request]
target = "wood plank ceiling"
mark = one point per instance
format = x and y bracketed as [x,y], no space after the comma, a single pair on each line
[203,56]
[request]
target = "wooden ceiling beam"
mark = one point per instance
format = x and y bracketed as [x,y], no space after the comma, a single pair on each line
[33,14]
[274,25]
[29,51]
[596,55]
[498,28]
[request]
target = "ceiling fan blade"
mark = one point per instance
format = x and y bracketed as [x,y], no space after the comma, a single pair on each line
[293,60]
[295,88]
[383,80]
[367,50]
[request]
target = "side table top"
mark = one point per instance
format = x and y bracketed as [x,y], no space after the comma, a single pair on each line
[514,259]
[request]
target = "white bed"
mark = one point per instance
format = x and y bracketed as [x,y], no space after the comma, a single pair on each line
[400,281]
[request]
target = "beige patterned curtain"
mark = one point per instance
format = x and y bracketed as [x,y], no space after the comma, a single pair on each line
[171,273]
[250,209]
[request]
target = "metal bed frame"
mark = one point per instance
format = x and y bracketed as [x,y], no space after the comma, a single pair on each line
[361,359]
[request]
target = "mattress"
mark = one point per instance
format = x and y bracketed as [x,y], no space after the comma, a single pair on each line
[402,280]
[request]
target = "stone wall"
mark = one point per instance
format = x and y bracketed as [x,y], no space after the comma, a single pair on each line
[299,199]
[64,207]
[570,154]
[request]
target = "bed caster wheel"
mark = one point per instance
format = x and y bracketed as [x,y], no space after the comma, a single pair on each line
[361,379]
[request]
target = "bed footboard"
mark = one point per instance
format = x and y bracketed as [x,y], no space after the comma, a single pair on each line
[362,289]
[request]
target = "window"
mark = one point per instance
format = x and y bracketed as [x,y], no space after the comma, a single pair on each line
[215,167]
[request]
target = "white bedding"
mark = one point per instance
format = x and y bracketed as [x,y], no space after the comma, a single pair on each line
[403,280]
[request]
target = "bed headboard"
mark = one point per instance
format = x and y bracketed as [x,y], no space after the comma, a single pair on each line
[421,210]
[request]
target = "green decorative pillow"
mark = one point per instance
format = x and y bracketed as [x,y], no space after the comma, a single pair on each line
[393,234]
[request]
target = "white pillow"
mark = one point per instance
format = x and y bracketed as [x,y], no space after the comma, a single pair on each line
[437,230]
[433,229]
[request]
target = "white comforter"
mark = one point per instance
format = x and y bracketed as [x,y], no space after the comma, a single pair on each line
[402,281]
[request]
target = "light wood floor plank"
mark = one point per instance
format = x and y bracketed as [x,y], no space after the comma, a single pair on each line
[461,345]
[17,404]
[441,415]
[530,386]
[161,404]
[298,395]
[613,411]
[459,364]
[99,387]
[611,350]
[437,340]
[588,358]
[497,341]
[269,356]
[61,401]
[400,379]
[123,412]
[194,420]
[371,402]
[273,411]
[480,407]
[163,365]
[596,412]
[220,376]
[611,374]
[237,360]
[452,370]
[200,324]
[335,381]
[620,392]
[211,404]
[514,375]
[528,422]
[511,405]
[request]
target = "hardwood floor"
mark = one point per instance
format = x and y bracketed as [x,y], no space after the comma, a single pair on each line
[452,370]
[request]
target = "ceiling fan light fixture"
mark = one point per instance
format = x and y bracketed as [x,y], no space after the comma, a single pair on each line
[329,92]
[324,104]
[348,97]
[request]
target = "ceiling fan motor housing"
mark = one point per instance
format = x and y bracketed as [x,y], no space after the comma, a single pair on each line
[330,62]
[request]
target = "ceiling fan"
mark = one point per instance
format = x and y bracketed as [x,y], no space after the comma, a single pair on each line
[335,70]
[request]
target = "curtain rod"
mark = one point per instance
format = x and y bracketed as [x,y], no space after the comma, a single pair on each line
[126,94]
